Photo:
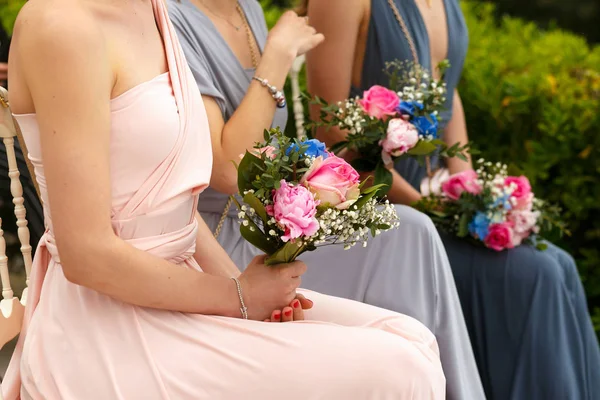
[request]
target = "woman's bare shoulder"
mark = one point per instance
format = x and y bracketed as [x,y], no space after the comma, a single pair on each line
[51,40]
[50,25]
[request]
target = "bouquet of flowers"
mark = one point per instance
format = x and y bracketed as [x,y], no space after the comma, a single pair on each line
[385,124]
[299,197]
[491,207]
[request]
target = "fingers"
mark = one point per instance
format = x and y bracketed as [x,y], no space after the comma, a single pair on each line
[287,314]
[276,316]
[312,42]
[298,312]
[259,259]
[304,302]
[296,269]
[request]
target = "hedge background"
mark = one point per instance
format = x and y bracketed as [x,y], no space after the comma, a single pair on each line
[531,93]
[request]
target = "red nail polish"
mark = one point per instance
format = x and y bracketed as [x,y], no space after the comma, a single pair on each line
[277,316]
[296,303]
[288,313]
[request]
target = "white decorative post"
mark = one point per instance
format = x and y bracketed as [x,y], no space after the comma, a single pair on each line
[297,99]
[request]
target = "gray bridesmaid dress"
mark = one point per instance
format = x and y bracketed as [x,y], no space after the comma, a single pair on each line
[526,310]
[405,270]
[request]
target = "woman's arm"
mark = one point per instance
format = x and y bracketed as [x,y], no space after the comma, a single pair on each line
[288,39]
[333,67]
[75,137]
[210,255]
[456,132]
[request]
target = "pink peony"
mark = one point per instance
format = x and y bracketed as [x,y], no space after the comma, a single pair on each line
[379,102]
[294,208]
[522,194]
[465,181]
[523,221]
[500,237]
[333,181]
[401,137]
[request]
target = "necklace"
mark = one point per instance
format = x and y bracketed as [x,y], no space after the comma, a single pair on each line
[407,35]
[251,45]
[224,18]
[249,35]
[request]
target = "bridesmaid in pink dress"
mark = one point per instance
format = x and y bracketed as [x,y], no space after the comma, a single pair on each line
[119,307]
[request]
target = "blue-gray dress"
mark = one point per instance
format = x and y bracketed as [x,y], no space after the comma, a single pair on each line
[405,270]
[526,310]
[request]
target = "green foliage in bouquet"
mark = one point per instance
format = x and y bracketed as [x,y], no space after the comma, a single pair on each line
[280,160]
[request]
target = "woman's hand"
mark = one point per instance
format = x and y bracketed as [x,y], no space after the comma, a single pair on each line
[295,311]
[267,288]
[292,36]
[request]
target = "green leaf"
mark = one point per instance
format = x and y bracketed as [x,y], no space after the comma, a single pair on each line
[257,238]
[383,176]
[257,205]
[463,226]
[373,188]
[249,168]
[362,200]
[438,142]
[336,148]
[285,254]
[423,148]
[541,246]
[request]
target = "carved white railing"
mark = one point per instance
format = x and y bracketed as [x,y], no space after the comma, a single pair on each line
[12,309]
[296,96]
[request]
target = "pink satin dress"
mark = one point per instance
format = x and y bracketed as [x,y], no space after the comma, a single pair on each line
[78,344]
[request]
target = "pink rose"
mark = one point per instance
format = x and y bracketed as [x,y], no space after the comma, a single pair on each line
[465,181]
[294,208]
[379,102]
[333,181]
[500,237]
[522,194]
[401,137]
[269,151]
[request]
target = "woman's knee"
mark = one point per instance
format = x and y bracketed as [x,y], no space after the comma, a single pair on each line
[530,268]
[416,220]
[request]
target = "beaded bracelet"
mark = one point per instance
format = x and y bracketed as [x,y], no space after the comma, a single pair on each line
[243,309]
[277,95]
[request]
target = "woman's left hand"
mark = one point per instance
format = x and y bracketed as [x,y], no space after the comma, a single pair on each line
[294,312]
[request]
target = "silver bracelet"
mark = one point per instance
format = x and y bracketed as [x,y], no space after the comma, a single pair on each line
[243,309]
[277,95]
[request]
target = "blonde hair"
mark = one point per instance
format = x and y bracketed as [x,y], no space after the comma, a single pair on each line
[302,8]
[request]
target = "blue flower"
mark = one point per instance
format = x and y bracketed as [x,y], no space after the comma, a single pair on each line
[409,107]
[426,125]
[480,226]
[315,148]
[503,202]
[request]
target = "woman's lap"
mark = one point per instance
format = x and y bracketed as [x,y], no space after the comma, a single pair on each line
[527,316]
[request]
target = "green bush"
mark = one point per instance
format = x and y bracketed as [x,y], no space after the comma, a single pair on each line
[8,13]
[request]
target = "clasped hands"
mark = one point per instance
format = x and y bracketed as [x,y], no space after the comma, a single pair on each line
[270,291]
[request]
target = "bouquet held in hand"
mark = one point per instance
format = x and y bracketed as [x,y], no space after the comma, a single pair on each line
[388,123]
[298,197]
[491,208]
